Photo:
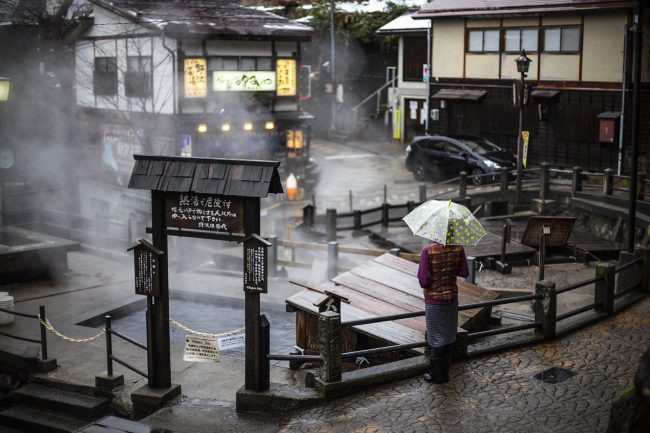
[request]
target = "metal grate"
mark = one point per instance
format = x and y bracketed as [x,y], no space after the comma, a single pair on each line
[554,375]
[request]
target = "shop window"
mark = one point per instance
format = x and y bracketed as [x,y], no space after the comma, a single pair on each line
[517,40]
[415,55]
[562,39]
[137,80]
[105,76]
[483,41]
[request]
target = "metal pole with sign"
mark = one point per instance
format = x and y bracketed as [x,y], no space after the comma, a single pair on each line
[524,136]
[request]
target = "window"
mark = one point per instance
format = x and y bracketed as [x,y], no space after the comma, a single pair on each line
[521,39]
[137,80]
[239,64]
[415,55]
[562,39]
[105,76]
[454,149]
[483,41]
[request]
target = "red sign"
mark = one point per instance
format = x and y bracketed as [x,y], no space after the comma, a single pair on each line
[607,130]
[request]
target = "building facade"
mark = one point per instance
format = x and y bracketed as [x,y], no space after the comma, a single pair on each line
[579,53]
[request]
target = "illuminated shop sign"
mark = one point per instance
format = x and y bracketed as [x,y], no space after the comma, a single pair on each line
[196,79]
[243,81]
[286,72]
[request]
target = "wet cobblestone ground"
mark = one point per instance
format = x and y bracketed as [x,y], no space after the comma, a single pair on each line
[499,393]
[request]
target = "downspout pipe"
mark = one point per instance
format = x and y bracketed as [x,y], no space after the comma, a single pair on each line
[637,29]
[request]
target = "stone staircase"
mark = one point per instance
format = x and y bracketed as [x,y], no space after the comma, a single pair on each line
[38,408]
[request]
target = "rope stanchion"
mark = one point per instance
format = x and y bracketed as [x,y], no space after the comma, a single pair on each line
[205,334]
[51,328]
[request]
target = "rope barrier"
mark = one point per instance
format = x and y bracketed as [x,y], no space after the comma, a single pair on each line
[205,334]
[51,328]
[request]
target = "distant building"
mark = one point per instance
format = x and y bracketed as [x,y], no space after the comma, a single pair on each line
[197,77]
[578,56]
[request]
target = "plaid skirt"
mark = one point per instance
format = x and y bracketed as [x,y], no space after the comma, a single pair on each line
[442,322]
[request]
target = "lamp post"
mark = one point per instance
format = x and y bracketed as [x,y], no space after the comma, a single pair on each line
[6,154]
[523,63]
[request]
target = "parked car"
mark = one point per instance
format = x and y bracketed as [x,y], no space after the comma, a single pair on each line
[431,156]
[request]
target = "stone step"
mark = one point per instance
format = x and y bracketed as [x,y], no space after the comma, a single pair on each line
[39,421]
[77,405]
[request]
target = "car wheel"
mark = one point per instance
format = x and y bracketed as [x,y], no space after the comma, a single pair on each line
[476,179]
[419,173]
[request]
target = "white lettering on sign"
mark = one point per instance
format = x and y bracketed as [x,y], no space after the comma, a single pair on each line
[198,349]
[231,341]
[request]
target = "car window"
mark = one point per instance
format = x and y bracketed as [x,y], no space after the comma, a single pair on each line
[481,145]
[452,148]
[433,145]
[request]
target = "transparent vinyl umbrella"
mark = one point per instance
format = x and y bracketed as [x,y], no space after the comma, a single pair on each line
[445,222]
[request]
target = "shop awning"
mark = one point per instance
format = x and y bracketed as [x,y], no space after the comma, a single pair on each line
[466,95]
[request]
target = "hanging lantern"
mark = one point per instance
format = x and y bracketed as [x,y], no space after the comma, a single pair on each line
[292,187]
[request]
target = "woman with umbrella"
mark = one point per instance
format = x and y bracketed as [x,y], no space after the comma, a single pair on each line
[449,225]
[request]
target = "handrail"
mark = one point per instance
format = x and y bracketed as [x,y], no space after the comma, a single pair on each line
[373,94]
[629,264]
[129,339]
[15,313]
[509,300]
[109,349]
[578,285]
[41,319]
[503,330]
[575,312]
[393,348]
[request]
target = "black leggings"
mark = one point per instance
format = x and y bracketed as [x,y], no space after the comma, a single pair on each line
[441,351]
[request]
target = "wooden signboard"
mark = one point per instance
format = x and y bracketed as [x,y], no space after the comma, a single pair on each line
[146,258]
[255,264]
[205,212]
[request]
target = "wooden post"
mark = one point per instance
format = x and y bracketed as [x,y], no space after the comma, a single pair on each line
[41,313]
[356,217]
[645,268]
[546,308]
[394,251]
[253,361]
[505,173]
[308,215]
[410,205]
[462,185]
[543,181]
[459,349]
[351,203]
[385,207]
[604,292]
[627,276]
[265,347]
[640,190]
[576,184]
[160,377]
[329,337]
[542,253]
[332,259]
[385,193]
[330,224]
[151,333]
[422,192]
[608,181]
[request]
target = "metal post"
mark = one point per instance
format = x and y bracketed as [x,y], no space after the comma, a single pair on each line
[641,186]
[422,193]
[520,128]
[385,207]
[471,277]
[637,24]
[308,215]
[41,313]
[462,185]
[329,336]
[333,60]
[356,217]
[576,184]
[645,268]
[604,291]
[330,224]
[332,259]
[503,190]
[542,254]
[351,203]
[385,193]
[608,181]
[546,308]
[109,347]
[273,255]
[543,181]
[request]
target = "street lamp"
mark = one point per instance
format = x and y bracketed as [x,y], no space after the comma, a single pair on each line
[523,63]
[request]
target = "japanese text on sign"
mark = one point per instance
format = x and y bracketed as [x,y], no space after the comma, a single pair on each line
[201,349]
[286,77]
[255,268]
[243,81]
[146,272]
[205,212]
[231,341]
[196,82]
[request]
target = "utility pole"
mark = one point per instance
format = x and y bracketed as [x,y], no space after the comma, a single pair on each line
[333,61]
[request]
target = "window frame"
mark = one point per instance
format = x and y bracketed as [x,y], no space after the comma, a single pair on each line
[562,28]
[419,74]
[520,30]
[483,30]
[108,72]
[138,89]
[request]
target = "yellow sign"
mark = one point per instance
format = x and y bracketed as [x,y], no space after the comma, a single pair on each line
[524,136]
[285,70]
[4,90]
[294,139]
[243,81]
[397,124]
[196,78]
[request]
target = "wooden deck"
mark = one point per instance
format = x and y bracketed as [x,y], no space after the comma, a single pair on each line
[383,286]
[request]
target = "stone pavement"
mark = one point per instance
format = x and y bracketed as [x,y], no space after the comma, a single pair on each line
[495,393]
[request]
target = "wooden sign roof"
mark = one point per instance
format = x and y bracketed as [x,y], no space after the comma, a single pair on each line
[234,177]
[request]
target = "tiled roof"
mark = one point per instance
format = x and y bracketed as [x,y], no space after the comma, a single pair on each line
[235,177]
[454,8]
[206,17]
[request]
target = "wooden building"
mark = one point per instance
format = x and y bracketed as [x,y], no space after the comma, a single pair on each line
[579,51]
